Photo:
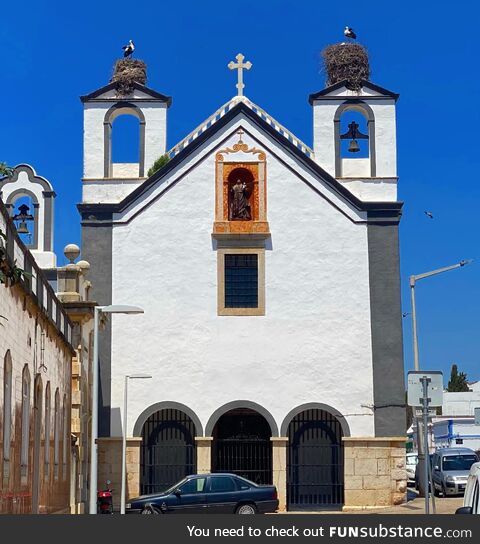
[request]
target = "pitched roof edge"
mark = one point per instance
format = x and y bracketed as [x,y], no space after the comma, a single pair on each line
[340,84]
[382,208]
[154,94]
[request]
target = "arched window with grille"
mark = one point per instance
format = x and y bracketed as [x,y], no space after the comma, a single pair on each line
[7,412]
[25,443]
[56,434]
[65,434]
[48,426]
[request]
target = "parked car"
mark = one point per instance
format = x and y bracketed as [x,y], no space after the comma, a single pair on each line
[210,494]
[450,470]
[410,465]
[471,501]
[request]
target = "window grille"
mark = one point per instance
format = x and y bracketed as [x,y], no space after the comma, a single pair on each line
[241,281]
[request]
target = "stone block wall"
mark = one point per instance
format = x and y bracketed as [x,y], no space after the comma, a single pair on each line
[110,467]
[375,473]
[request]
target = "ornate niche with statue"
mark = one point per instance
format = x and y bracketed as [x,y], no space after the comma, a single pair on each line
[241,190]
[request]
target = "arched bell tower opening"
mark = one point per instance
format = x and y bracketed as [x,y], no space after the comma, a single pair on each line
[354,140]
[122,115]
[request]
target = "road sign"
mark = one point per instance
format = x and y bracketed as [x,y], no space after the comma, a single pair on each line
[477,416]
[415,387]
[432,412]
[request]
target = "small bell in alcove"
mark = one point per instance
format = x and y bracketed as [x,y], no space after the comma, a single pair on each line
[22,219]
[354,147]
[353,134]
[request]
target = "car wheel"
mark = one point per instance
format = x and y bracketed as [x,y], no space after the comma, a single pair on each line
[246,509]
[149,510]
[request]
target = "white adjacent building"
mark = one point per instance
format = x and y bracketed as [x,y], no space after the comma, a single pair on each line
[269,276]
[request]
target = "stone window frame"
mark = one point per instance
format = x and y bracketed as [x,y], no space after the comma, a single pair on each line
[7,414]
[221,309]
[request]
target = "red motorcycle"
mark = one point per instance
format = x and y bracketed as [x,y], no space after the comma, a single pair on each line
[105,500]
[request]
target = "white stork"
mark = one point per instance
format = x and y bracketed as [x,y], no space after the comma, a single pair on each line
[349,33]
[128,49]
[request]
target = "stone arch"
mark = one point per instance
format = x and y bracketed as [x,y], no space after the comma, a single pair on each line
[165,405]
[122,108]
[241,404]
[315,406]
[33,177]
[363,108]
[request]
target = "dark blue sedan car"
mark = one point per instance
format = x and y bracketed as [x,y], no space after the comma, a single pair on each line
[209,494]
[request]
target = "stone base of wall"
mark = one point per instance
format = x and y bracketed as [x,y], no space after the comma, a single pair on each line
[375,473]
[110,466]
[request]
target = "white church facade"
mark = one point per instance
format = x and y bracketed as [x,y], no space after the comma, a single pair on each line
[269,277]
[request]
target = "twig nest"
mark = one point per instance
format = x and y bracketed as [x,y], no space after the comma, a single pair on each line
[346,62]
[126,72]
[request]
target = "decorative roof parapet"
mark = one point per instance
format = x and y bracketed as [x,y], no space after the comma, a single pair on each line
[227,107]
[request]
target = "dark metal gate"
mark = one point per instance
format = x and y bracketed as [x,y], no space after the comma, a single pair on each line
[314,461]
[167,450]
[242,446]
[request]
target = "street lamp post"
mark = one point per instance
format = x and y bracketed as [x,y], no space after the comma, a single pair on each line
[112,309]
[124,436]
[422,454]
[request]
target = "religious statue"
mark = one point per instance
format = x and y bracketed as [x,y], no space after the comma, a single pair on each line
[239,206]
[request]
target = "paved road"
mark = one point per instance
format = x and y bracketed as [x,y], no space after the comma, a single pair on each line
[414,505]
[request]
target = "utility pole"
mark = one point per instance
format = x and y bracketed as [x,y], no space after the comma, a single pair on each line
[423,451]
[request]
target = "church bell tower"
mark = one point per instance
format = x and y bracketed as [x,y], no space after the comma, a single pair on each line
[354,133]
[105,181]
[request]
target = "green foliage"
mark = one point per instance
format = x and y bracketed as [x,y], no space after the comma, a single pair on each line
[5,170]
[458,381]
[161,161]
[9,273]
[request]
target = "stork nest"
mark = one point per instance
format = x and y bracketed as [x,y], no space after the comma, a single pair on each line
[126,72]
[346,62]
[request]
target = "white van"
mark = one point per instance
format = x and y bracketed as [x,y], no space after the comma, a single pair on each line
[471,500]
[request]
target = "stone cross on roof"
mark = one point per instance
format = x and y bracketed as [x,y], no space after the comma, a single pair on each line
[240,65]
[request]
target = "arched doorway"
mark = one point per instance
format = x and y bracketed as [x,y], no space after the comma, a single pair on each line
[167,451]
[314,461]
[242,445]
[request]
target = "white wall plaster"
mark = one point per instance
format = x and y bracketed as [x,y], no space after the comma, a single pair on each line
[313,344]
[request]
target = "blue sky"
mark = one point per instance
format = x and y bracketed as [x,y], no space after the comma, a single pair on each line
[53,52]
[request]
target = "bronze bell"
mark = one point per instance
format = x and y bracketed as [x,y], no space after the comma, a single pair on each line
[353,147]
[22,228]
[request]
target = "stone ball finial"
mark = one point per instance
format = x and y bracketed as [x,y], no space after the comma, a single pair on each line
[71,252]
[84,267]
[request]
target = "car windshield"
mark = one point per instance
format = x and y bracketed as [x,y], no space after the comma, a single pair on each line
[458,462]
[174,486]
